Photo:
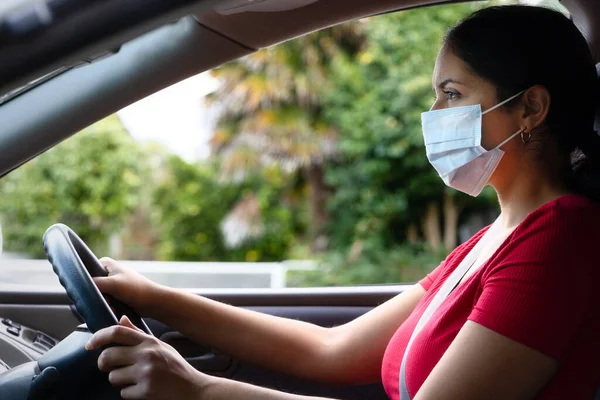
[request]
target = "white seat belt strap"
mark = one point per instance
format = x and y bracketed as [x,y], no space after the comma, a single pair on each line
[447,287]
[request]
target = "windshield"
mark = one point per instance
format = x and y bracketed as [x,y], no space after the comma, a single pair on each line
[302,164]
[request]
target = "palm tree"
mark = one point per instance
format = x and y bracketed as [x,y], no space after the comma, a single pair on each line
[271,111]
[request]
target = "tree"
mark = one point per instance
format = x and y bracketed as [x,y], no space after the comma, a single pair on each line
[385,190]
[191,205]
[272,112]
[91,182]
[394,219]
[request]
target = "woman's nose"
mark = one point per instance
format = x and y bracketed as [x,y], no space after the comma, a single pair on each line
[435,106]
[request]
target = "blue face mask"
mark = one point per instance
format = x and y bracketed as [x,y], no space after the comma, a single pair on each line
[453,144]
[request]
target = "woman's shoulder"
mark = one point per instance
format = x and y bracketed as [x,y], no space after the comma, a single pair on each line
[571,203]
[572,214]
[560,232]
[561,235]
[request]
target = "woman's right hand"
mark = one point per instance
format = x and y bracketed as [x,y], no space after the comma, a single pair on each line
[128,286]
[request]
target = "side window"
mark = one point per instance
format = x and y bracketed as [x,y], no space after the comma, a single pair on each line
[299,165]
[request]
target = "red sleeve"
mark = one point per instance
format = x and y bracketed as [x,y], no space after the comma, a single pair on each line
[537,288]
[431,277]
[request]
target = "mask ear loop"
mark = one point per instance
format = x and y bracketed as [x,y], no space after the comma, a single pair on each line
[503,102]
[525,139]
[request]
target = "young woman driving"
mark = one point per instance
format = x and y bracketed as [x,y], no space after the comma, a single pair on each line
[515,105]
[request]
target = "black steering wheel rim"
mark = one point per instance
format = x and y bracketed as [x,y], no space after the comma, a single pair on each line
[76,265]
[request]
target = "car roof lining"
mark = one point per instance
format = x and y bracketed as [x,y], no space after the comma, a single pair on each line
[268,28]
[52,112]
[51,40]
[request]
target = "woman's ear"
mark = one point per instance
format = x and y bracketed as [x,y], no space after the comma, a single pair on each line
[536,101]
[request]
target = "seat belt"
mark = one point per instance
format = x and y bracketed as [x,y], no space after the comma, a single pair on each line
[447,287]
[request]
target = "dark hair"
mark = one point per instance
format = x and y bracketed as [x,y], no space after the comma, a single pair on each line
[517,47]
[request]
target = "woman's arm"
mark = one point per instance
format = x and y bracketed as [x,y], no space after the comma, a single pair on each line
[482,364]
[144,368]
[350,353]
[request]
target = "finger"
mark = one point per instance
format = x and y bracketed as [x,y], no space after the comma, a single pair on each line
[110,264]
[125,376]
[116,357]
[105,284]
[107,260]
[125,321]
[134,392]
[117,334]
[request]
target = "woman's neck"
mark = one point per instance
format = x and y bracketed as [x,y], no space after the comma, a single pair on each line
[526,193]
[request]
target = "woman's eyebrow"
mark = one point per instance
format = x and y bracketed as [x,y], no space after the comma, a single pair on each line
[445,82]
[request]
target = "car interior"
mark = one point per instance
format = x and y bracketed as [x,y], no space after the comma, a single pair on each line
[76,62]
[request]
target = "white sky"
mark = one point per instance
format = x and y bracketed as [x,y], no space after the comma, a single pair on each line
[175,116]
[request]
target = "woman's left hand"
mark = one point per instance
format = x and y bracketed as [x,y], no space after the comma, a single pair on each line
[145,367]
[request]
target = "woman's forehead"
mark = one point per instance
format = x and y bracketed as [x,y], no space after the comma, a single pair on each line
[449,68]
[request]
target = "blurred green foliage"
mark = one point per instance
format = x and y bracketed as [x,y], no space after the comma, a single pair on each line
[272,113]
[365,94]
[385,181]
[402,263]
[91,182]
[190,203]
[191,206]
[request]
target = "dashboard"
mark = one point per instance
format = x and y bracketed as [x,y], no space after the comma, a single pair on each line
[20,344]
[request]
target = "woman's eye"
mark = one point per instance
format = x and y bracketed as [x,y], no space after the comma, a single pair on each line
[450,95]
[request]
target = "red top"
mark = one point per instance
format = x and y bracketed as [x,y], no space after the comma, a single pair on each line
[540,288]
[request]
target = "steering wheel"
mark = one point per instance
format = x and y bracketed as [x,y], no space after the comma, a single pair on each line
[76,265]
[68,371]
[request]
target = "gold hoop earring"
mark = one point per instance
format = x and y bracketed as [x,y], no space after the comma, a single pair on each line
[525,139]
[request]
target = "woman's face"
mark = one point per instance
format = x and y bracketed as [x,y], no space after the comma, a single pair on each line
[455,85]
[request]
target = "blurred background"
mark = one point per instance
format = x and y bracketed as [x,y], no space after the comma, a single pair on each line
[300,165]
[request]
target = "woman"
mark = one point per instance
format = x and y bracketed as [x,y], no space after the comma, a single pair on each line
[515,99]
